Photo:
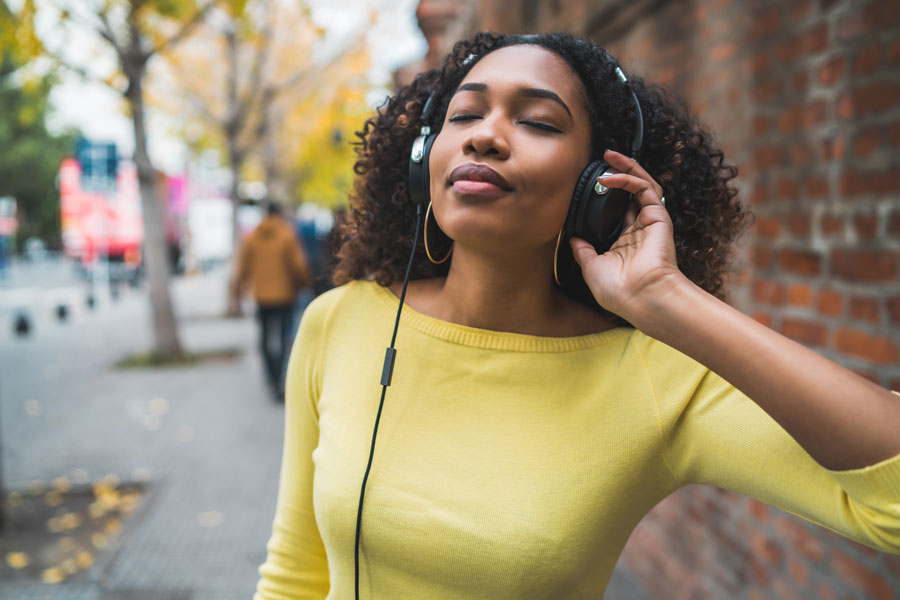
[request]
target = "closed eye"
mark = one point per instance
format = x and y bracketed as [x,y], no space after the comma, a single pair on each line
[542,126]
[459,118]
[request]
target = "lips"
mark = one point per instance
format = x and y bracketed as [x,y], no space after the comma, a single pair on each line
[479,172]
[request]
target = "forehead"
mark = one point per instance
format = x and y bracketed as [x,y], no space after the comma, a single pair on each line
[530,66]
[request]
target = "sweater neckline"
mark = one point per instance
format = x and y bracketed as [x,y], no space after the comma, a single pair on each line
[465,335]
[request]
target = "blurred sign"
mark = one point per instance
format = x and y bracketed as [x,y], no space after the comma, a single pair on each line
[8,222]
[99,163]
[96,223]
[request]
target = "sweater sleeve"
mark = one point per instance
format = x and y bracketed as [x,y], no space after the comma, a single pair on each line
[714,434]
[296,566]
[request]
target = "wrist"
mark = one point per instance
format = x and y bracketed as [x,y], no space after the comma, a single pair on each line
[658,307]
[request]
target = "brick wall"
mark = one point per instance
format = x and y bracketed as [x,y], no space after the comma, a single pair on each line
[804,97]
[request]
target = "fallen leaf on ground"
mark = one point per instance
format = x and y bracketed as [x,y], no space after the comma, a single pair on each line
[18,560]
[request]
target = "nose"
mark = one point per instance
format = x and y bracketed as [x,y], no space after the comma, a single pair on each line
[488,138]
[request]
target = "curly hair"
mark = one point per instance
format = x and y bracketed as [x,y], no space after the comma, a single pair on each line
[377,235]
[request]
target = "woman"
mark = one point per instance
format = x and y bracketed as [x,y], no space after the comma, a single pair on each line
[527,430]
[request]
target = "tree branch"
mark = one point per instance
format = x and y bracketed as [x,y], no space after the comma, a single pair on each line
[183,32]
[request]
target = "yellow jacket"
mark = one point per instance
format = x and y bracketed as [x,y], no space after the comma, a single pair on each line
[273,262]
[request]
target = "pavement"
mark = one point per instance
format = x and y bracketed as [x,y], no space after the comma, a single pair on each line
[205,439]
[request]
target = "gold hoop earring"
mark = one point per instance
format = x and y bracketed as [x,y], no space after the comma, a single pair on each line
[427,251]
[555,256]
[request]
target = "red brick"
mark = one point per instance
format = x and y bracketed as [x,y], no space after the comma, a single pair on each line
[799,294]
[816,187]
[760,194]
[797,570]
[786,188]
[867,59]
[869,19]
[866,224]
[815,39]
[723,51]
[800,223]
[875,586]
[829,303]
[854,182]
[892,305]
[759,510]
[865,265]
[893,226]
[832,71]
[894,134]
[767,291]
[763,317]
[760,124]
[763,256]
[875,348]
[759,62]
[764,24]
[864,308]
[867,141]
[892,561]
[801,154]
[784,590]
[765,91]
[768,156]
[800,262]
[805,331]
[867,99]
[833,147]
[893,52]
[801,82]
[825,591]
[802,116]
[800,9]
[800,538]
[768,227]
[831,225]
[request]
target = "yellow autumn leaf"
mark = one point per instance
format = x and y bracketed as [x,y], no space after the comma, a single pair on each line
[69,566]
[62,484]
[99,541]
[84,559]
[18,560]
[66,544]
[53,575]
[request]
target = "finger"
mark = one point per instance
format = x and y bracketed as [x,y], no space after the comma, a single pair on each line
[643,191]
[626,164]
[582,250]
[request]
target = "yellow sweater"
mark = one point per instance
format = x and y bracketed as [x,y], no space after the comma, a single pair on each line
[510,466]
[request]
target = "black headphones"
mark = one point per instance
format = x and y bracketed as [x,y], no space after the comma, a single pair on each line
[596,212]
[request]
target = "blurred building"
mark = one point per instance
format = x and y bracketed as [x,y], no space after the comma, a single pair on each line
[804,97]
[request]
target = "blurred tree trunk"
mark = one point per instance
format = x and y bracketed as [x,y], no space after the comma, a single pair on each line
[165,327]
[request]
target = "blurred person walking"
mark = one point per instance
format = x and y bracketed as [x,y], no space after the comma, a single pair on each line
[275,266]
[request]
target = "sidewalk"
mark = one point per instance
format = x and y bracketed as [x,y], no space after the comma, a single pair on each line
[207,439]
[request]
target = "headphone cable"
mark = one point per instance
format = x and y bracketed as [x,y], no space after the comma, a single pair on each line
[386,372]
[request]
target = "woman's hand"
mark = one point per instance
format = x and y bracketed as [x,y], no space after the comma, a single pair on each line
[640,269]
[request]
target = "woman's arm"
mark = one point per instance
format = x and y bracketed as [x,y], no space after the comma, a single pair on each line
[841,419]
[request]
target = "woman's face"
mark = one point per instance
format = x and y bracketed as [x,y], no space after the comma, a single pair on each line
[514,141]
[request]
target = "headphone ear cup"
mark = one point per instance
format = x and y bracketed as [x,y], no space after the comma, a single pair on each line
[574,226]
[419,174]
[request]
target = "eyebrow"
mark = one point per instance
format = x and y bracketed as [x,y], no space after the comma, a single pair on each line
[525,92]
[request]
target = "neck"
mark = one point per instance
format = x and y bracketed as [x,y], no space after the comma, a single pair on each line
[503,292]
